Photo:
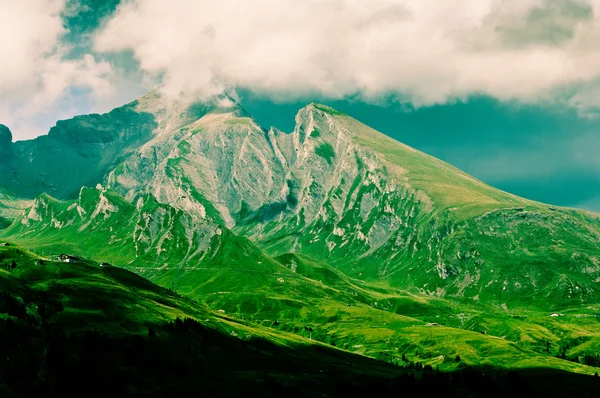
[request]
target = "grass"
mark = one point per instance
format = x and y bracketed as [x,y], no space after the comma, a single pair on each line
[120,305]
[446,186]
[325,151]
[295,292]
[115,301]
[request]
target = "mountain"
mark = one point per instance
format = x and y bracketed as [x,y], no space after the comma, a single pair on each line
[333,232]
[337,190]
[294,294]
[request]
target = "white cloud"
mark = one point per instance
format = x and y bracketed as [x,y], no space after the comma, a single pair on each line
[35,73]
[424,50]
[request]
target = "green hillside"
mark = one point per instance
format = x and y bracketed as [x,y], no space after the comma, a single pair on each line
[298,295]
[109,322]
[64,325]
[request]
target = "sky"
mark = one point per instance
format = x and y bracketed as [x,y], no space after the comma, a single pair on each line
[507,90]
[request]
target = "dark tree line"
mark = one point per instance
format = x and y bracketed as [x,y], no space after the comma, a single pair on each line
[590,359]
[186,358]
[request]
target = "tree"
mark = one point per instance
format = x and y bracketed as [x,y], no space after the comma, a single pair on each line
[309,329]
[151,333]
[547,346]
[575,359]
[404,357]
[457,359]
[178,324]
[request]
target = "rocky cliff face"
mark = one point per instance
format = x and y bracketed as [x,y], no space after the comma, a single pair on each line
[75,153]
[103,224]
[313,190]
[82,150]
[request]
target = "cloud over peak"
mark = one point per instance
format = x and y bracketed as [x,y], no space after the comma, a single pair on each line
[426,51]
[66,57]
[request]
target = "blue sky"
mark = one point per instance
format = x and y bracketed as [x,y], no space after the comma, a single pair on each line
[506,90]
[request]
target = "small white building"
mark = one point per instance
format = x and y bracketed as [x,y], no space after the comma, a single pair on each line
[65,258]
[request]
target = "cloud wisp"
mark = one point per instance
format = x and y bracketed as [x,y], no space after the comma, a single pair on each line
[36,72]
[424,51]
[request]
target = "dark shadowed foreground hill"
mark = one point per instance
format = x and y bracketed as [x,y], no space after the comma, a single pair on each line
[79,329]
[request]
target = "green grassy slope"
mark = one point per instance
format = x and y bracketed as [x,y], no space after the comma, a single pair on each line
[446,186]
[81,329]
[482,333]
[168,246]
[459,237]
[312,300]
[54,300]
